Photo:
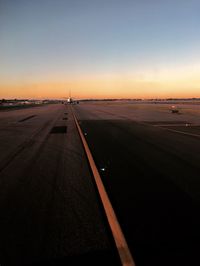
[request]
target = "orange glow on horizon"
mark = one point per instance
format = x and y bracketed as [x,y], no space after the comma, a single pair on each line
[168,85]
[100,90]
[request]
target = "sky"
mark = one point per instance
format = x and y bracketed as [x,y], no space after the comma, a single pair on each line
[99,48]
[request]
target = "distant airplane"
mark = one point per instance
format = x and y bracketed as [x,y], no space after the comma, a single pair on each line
[70,99]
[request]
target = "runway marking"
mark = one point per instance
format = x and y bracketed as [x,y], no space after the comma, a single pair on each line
[172,130]
[182,132]
[120,241]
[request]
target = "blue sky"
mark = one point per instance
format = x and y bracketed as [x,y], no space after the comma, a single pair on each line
[60,40]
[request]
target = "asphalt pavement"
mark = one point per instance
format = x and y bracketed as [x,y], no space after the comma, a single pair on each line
[148,158]
[151,175]
[50,212]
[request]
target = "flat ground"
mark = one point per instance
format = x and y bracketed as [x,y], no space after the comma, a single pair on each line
[50,212]
[149,162]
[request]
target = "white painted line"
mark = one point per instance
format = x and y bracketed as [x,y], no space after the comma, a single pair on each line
[164,127]
[183,133]
[120,241]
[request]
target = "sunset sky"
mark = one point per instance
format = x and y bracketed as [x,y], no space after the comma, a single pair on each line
[99,48]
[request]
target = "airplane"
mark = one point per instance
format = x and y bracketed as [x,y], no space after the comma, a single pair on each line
[70,99]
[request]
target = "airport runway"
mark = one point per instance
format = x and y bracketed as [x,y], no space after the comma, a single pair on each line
[149,162]
[50,213]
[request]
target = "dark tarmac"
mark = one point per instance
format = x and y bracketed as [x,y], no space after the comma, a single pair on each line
[152,177]
[50,213]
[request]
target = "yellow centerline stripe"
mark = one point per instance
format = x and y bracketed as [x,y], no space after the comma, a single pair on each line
[120,241]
